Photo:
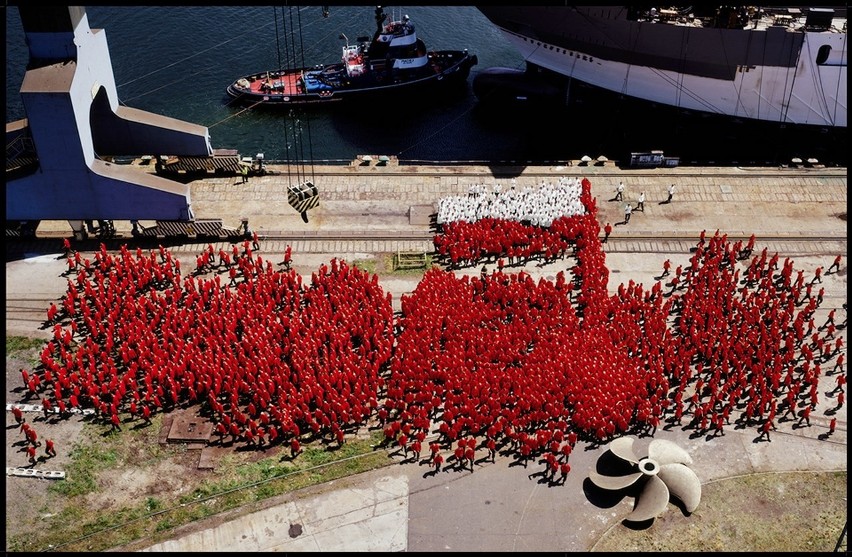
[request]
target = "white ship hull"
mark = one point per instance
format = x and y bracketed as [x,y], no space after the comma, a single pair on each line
[810,92]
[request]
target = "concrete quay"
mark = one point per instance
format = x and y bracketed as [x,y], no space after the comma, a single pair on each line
[397,199]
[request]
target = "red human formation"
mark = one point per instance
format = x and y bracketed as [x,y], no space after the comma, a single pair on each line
[477,364]
[270,359]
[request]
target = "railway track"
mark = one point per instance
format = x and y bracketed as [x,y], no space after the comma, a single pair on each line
[27,310]
[392,241]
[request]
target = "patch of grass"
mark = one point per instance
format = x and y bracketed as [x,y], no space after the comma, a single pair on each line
[164,525]
[86,460]
[22,344]
[17,344]
[370,266]
[383,265]
[23,352]
[237,483]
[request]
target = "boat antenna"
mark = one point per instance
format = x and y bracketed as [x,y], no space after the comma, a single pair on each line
[380,19]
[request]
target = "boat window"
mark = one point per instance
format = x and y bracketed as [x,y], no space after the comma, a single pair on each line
[822,54]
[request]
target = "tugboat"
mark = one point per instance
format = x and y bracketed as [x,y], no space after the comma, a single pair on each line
[394,63]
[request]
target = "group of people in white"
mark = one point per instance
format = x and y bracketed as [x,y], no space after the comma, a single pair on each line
[539,206]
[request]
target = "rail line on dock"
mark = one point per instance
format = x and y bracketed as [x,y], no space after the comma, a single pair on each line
[392,241]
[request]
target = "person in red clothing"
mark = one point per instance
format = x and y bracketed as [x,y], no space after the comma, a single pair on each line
[841,381]
[32,437]
[835,266]
[764,430]
[288,251]
[49,448]
[564,469]
[31,453]
[805,416]
[470,455]
[607,232]
[221,431]
[458,453]
[116,422]
[52,312]
[19,414]
[437,460]
[525,452]
[841,398]
[832,425]
[249,434]
[295,447]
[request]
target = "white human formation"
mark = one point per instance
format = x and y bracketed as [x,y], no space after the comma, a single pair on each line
[539,206]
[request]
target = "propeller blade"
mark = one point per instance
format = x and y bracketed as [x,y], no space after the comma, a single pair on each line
[614,482]
[623,449]
[683,483]
[666,452]
[651,502]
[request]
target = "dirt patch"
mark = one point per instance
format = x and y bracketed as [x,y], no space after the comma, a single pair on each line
[143,468]
[775,512]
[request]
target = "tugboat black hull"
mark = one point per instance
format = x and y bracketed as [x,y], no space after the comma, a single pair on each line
[394,65]
[456,66]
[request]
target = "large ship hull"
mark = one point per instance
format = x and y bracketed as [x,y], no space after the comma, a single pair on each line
[775,74]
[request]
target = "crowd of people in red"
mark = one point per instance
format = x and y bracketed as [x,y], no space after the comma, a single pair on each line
[271,359]
[488,363]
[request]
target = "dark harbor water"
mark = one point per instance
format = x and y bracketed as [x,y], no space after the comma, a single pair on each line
[177,61]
